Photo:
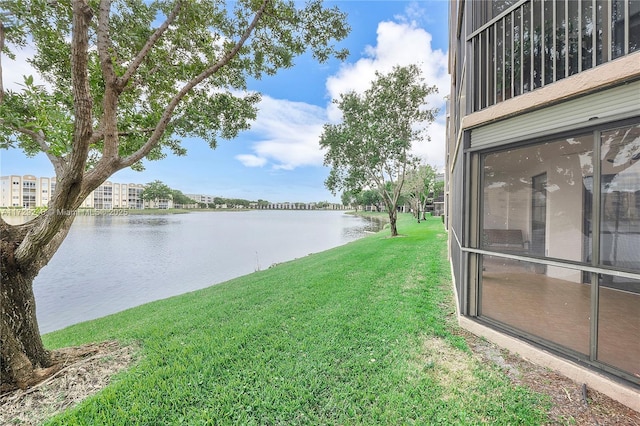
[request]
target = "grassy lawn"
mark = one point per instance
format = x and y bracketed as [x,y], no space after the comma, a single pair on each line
[361,334]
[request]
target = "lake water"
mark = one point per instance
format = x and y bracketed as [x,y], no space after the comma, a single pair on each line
[111,263]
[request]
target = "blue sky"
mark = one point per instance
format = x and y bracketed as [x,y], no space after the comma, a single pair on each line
[279,159]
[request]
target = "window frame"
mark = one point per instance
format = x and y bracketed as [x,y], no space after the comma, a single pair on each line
[593,269]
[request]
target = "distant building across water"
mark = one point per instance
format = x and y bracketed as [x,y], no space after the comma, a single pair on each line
[30,192]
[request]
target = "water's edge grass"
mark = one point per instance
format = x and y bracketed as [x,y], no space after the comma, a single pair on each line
[364,333]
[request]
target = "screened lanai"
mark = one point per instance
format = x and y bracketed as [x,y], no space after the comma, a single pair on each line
[560,229]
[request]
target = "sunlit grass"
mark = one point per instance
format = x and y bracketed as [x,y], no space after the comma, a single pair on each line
[361,334]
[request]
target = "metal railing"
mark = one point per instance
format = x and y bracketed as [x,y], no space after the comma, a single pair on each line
[537,42]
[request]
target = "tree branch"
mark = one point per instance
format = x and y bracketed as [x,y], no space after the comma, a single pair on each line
[58,163]
[49,229]
[38,137]
[82,102]
[104,44]
[114,86]
[137,131]
[135,64]
[108,125]
[168,112]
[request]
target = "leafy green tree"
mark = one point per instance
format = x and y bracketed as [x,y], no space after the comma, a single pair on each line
[156,191]
[238,202]
[370,147]
[127,80]
[348,198]
[418,188]
[371,197]
[438,189]
[179,199]
[358,201]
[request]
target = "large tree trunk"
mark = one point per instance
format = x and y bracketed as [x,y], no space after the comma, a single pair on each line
[24,250]
[23,357]
[22,349]
[393,217]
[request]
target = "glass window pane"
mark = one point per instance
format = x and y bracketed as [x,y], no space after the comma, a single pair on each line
[620,209]
[477,84]
[499,63]
[479,15]
[508,57]
[549,53]
[634,25]
[619,323]
[602,32]
[561,47]
[526,49]
[551,303]
[534,197]
[537,43]
[517,52]
[617,28]
[483,69]
[485,11]
[574,24]
[586,44]
[491,66]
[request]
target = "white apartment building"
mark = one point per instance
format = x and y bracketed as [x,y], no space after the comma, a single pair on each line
[201,198]
[29,191]
[26,191]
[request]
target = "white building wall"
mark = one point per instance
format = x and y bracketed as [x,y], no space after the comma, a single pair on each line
[29,191]
[43,195]
[10,193]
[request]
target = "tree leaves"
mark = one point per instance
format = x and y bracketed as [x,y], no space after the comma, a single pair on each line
[370,148]
[371,145]
[201,34]
[155,191]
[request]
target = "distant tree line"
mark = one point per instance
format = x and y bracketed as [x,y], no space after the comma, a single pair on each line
[157,190]
[229,202]
[242,203]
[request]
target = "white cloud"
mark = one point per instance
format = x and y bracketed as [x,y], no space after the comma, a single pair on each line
[291,130]
[250,160]
[289,135]
[433,151]
[14,70]
[401,43]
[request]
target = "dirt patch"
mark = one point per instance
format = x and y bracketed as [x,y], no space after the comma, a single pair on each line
[572,403]
[86,370]
[451,370]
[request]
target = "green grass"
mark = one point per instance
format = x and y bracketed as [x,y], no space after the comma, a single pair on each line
[362,334]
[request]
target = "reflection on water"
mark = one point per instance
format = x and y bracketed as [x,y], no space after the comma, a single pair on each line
[361,226]
[110,263]
[148,221]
